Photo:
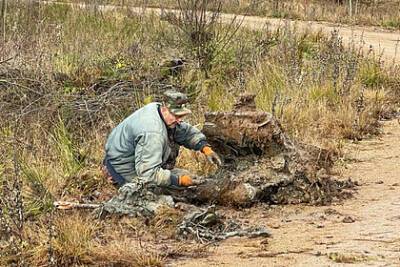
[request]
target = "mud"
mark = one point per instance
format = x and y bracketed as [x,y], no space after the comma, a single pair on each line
[262,164]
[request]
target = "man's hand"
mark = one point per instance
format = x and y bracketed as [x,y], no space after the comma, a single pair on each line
[211,155]
[185,180]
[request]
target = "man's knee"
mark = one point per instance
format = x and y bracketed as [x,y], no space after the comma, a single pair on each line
[112,175]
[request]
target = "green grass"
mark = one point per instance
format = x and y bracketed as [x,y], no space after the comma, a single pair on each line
[393,23]
[68,154]
[37,197]
[371,74]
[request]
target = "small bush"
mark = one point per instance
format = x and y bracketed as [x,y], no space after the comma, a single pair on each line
[393,23]
[371,74]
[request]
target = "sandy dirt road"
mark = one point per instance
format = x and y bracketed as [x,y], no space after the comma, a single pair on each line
[380,41]
[369,38]
[364,230]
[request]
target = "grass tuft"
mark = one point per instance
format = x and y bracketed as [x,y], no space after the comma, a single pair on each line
[37,198]
[69,157]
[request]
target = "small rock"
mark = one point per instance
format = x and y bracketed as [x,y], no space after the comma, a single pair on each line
[320,226]
[330,211]
[379,182]
[348,219]
[275,226]
[395,184]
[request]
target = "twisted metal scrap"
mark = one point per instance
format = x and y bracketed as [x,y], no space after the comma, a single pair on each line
[207,225]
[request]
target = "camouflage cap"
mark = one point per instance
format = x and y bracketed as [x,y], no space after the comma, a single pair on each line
[176,101]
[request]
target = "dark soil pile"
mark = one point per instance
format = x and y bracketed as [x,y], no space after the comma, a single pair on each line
[262,164]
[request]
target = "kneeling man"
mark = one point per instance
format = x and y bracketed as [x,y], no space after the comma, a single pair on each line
[146,144]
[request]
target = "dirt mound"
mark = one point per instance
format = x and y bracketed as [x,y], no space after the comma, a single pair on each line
[262,164]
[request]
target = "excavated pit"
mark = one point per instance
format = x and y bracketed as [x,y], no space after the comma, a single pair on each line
[262,164]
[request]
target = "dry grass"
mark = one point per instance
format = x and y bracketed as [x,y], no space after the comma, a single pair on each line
[76,240]
[349,257]
[125,253]
[77,73]
[362,12]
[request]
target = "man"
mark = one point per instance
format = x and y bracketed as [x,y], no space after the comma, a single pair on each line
[144,145]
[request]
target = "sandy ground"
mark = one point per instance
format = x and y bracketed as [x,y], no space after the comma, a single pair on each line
[364,230]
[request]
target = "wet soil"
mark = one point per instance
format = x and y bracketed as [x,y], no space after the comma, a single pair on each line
[361,231]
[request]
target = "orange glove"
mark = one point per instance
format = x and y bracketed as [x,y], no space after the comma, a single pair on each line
[211,155]
[185,180]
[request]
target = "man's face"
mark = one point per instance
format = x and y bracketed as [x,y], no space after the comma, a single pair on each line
[175,120]
[171,119]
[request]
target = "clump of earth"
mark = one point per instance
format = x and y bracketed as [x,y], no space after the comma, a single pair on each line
[261,164]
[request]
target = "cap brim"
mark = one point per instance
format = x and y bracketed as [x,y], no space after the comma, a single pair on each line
[181,112]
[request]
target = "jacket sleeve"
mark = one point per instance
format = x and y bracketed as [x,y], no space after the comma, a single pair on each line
[188,136]
[148,159]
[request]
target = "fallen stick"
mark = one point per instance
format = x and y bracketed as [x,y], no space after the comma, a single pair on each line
[271,254]
[65,205]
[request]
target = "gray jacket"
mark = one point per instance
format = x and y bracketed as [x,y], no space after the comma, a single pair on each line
[139,145]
